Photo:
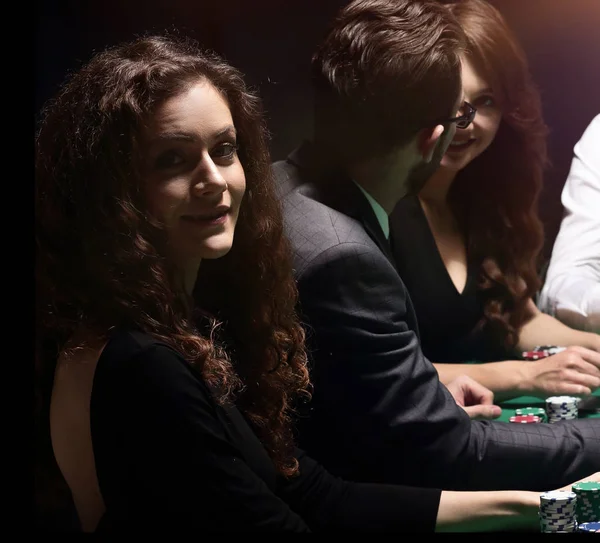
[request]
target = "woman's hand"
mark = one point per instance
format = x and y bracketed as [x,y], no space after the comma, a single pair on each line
[574,371]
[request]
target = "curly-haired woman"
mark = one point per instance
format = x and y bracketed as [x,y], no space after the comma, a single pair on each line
[169,355]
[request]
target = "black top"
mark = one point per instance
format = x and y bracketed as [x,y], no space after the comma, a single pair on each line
[169,458]
[448,319]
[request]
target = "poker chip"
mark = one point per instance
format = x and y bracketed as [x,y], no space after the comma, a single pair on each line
[557,512]
[541,351]
[537,411]
[534,355]
[552,349]
[588,501]
[561,408]
[525,419]
[589,527]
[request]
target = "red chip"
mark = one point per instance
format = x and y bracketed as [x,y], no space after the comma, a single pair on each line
[525,419]
[535,355]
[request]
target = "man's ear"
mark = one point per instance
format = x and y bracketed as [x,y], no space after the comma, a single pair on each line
[428,139]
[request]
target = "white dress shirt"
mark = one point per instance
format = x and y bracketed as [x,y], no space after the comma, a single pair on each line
[573,278]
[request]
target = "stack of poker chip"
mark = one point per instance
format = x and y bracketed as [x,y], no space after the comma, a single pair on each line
[561,408]
[588,501]
[535,411]
[525,419]
[589,527]
[557,512]
[541,351]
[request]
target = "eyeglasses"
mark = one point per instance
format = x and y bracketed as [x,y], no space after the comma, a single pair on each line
[464,120]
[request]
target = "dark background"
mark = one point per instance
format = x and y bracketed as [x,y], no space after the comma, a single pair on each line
[271,41]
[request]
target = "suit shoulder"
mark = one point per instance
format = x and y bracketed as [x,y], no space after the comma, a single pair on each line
[281,169]
[319,233]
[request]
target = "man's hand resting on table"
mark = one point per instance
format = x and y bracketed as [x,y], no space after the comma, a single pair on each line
[474,398]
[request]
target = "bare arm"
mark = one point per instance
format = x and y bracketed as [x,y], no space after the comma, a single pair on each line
[488,511]
[576,371]
[575,319]
[542,329]
[506,379]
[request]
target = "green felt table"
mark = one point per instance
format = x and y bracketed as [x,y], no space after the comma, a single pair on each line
[508,407]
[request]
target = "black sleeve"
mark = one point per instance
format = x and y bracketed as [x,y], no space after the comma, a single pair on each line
[192,474]
[331,504]
[380,410]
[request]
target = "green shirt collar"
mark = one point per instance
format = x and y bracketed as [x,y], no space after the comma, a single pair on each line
[382,216]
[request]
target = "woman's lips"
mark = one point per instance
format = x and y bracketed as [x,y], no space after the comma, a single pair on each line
[459,146]
[206,220]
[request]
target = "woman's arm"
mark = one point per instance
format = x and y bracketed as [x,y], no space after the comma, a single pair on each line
[488,511]
[191,473]
[542,329]
[506,379]
[176,448]
[364,507]
[575,371]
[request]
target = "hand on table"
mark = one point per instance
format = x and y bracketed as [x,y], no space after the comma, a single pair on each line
[573,372]
[475,399]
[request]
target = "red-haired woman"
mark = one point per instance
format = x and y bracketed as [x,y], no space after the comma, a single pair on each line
[468,246]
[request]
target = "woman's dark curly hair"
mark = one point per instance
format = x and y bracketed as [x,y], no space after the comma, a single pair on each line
[496,196]
[100,258]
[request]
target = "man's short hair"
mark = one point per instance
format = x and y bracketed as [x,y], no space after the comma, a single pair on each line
[385,70]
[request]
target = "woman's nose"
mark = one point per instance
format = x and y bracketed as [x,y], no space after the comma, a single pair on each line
[208,180]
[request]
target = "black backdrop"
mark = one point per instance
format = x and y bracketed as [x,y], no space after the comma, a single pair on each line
[271,41]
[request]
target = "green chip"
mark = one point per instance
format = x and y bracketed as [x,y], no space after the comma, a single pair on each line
[587,486]
[538,411]
[587,507]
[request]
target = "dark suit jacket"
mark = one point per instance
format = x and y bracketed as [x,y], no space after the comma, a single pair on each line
[379,412]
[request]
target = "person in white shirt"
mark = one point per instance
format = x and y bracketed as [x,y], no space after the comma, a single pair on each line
[571,291]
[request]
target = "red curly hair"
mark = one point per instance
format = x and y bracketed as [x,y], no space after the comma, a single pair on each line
[100,260]
[496,196]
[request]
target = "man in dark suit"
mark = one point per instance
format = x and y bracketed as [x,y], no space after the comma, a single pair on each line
[387,91]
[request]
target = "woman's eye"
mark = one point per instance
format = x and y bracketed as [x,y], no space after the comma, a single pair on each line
[169,159]
[485,101]
[225,150]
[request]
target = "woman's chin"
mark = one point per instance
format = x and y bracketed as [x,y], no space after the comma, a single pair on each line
[452,164]
[208,251]
[214,252]
[455,161]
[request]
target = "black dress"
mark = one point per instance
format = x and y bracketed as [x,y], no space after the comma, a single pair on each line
[447,318]
[168,458]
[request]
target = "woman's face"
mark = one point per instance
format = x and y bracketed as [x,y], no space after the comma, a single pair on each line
[194,179]
[470,142]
